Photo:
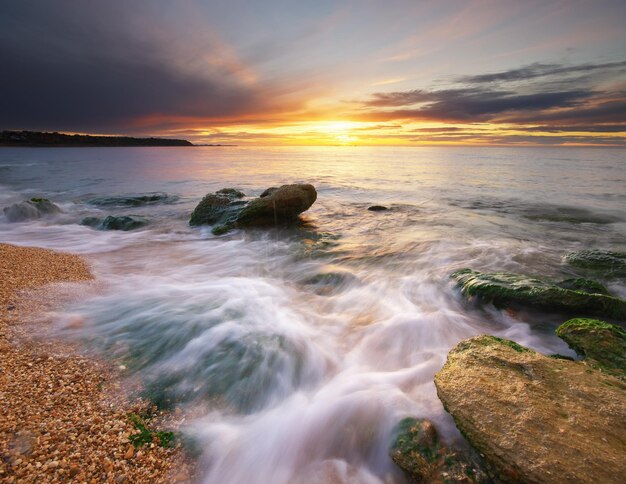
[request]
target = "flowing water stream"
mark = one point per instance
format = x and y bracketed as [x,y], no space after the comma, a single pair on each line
[305,346]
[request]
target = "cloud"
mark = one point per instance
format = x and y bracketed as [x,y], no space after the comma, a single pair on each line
[546,101]
[113,66]
[536,70]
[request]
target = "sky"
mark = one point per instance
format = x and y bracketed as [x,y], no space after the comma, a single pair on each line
[359,72]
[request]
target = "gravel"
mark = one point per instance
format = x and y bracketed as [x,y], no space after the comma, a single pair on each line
[64,416]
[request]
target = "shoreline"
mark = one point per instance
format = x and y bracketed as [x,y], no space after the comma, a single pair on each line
[62,415]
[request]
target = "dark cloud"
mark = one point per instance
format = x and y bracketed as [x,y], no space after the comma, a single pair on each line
[542,70]
[539,98]
[463,105]
[94,66]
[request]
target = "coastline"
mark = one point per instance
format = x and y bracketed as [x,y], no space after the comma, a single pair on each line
[57,418]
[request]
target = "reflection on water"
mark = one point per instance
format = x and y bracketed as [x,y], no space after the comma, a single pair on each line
[307,345]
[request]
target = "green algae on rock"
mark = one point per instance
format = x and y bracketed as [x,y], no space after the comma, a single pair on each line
[418,451]
[535,418]
[601,344]
[504,289]
[611,264]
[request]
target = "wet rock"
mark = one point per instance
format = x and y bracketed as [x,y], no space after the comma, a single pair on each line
[607,262]
[225,209]
[510,290]
[133,200]
[532,417]
[214,208]
[281,205]
[30,210]
[418,451]
[377,208]
[124,222]
[585,285]
[231,193]
[601,344]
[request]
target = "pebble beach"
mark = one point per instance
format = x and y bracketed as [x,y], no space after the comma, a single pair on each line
[62,416]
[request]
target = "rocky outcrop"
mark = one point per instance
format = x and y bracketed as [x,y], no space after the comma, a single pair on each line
[603,345]
[30,210]
[608,263]
[512,290]
[226,210]
[417,450]
[534,418]
[124,222]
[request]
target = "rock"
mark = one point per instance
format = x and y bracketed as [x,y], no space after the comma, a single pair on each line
[585,285]
[607,262]
[377,208]
[214,208]
[535,418]
[231,193]
[133,200]
[279,206]
[504,290]
[30,210]
[226,211]
[124,222]
[419,453]
[601,344]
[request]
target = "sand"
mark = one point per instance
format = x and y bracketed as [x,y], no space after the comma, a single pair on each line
[62,414]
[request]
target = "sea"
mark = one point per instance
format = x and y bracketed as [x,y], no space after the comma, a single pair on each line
[294,352]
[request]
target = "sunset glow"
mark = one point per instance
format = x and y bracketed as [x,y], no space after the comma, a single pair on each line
[329,73]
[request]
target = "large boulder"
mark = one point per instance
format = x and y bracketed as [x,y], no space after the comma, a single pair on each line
[123,222]
[30,210]
[609,263]
[510,290]
[417,450]
[534,418]
[226,210]
[280,205]
[601,344]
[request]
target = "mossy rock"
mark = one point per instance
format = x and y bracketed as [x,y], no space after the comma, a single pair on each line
[504,290]
[584,285]
[534,418]
[146,436]
[600,343]
[214,209]
[417,450]
[609,263]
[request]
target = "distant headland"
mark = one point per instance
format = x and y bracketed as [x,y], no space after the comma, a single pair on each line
[46,139]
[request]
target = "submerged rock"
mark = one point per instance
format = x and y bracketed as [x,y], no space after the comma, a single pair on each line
[604,261]
[418,451]
[377,208]
[133,200]
[601,344]
[125,222]
[30,210]
[226,210]
[535,418]
[504,290]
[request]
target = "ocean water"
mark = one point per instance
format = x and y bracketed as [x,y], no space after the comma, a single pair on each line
[296,351]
